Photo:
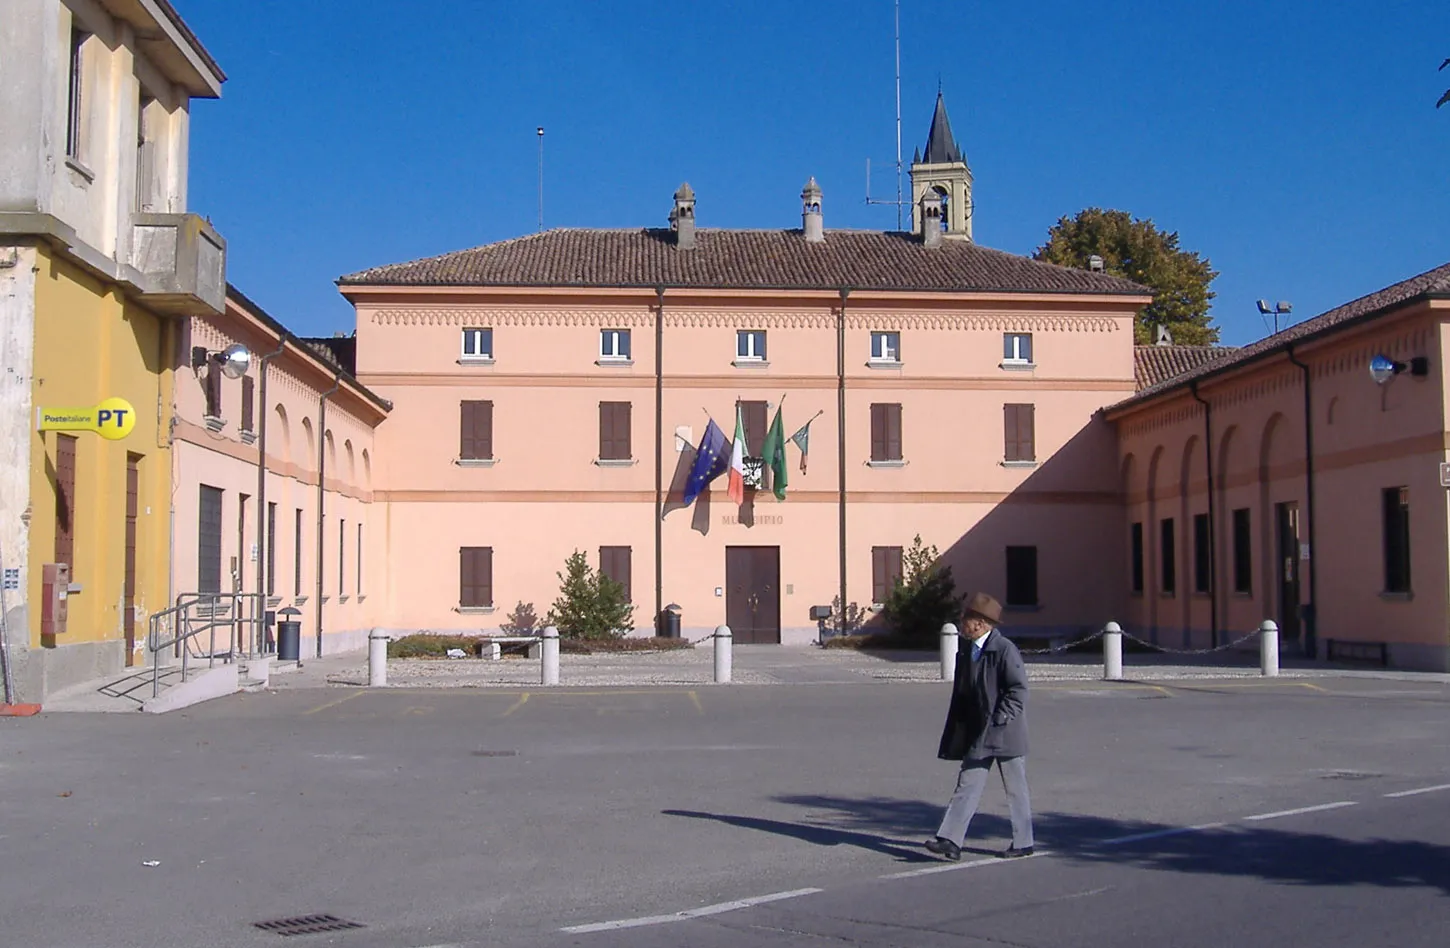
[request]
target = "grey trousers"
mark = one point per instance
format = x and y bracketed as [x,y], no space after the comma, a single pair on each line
[970,784]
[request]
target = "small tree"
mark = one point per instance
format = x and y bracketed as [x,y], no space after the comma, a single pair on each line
[925,597]
[848,624]
[590,606]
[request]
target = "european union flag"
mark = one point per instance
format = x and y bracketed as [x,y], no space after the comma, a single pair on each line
[712,458]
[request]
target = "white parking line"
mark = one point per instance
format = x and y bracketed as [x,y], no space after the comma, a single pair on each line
[1302,809]
[687,913]
[953,866]
[1159,834]
[1402,793]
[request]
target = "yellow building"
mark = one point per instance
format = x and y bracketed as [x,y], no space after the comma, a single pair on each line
[99,265]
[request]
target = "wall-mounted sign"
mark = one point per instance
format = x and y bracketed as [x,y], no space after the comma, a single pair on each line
[113,419]
[1444,474]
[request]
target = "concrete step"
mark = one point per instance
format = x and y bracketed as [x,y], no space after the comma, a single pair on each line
[132,691]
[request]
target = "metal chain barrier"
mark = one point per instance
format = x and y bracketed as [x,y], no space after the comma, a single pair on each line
[1063,647]
[1193,651]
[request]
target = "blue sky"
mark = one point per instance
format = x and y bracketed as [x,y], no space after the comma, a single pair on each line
[1294,144]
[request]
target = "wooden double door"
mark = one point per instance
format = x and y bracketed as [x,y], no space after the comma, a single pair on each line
[752,594]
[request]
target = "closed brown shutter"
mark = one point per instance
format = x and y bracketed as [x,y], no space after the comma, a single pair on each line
[886,432]
[606,430]
[614,562]
[213,390]
[885,571]
[65,500]
[878,432]
[893,432]
[614,439]
[753,414]
[1018,428]
[248,398]
[475,440]
[621,431]
[475,576]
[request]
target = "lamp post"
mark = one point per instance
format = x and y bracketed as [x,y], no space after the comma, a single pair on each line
[1281,308]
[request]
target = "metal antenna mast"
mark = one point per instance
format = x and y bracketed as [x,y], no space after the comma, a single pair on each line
[898,202]
[540,131]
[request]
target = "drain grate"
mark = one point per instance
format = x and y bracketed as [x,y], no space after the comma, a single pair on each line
[495,753]
[1349,775]
[306,925]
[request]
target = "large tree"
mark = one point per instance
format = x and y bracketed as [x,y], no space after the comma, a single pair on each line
[1139,251]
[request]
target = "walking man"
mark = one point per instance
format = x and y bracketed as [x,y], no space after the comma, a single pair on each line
[987,723]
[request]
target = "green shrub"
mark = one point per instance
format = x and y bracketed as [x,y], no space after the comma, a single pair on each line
[877,640]
[924,598]
[591,606]
[433,646]
[591,646]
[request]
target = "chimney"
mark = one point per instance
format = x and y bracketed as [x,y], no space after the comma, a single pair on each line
[811,221]
[931,218]
[1164,337]
[682,218]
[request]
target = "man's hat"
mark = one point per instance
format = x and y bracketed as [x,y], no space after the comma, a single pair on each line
[983,606]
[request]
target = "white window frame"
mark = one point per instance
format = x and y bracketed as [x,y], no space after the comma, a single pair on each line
[76,92]
[885,347]
[1012,341]
[478,333]
[609,340]
[746,348]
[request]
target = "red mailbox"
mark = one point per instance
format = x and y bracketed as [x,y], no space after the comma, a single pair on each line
[54,589]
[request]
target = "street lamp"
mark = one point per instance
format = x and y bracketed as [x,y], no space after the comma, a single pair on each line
[1280,308]
[1382,368]
[234,360]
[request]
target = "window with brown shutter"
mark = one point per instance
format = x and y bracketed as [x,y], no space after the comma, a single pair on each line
[475,441]
[475,577]
[1021,576]
[885,571]
[1020,434]
[614,440]
[213,390]
[753,414]
[65,500]
[614,562]
[886,432]
[248,399]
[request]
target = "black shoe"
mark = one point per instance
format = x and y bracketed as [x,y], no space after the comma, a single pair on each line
[1012,852]
[944,847]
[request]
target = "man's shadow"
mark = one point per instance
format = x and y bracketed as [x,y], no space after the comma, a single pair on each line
[899,849]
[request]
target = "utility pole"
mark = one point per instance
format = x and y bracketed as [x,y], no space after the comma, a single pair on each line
[540,131]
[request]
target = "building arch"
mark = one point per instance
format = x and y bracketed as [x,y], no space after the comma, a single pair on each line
[279,441]
[351,462]
[309,438]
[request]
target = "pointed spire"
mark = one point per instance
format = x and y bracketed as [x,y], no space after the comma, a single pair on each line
[941,148]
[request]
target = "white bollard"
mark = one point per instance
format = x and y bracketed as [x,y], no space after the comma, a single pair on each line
[950,638]
[549,672]
[1112,652]
[377,660]
[723,643]
[1269,649]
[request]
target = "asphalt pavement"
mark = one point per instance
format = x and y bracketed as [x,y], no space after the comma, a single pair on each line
[730,816]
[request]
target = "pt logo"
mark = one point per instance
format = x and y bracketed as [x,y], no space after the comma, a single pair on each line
[113,419]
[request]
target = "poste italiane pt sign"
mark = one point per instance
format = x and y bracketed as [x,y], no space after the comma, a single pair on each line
[113,419]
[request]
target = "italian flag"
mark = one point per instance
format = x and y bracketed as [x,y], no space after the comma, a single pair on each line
[737,460]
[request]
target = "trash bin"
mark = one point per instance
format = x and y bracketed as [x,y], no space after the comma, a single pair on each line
[289,636]
[667,625]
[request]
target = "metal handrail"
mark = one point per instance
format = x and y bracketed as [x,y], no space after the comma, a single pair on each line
[222,609]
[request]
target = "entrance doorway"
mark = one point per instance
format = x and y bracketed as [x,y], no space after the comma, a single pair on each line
[1286,517]
[752,594]
[128,588]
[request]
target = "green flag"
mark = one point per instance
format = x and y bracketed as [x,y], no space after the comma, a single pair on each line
[773,454]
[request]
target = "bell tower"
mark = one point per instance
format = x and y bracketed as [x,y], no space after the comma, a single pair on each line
[942,170]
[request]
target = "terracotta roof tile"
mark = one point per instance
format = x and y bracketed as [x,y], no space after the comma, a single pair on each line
[1431,283]
[742,259]
[1155,364]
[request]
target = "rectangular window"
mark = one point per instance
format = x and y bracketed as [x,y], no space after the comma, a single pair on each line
[753,415]
[475,441]
[885,572]
[614,563]
[886,432]
[74,119]
[1019,426]
[614,344]
[750,345]
[1243,552]
[1397,539]
[271,548]
[213,389]
[358,565]
[1135,534]
[1017,348]
[209,541]
[614,440]
[1202,557]
[886,347]
[478,344]
[341,557]
[249,397]
[475,577]
[1168,557]
[1021,576]
[65,501]
[297,554]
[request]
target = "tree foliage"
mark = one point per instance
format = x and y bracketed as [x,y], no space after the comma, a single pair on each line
[925,597]
[1139,251]
[590,606]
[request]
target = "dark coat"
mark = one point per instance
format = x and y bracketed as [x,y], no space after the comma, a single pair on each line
[988,713]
